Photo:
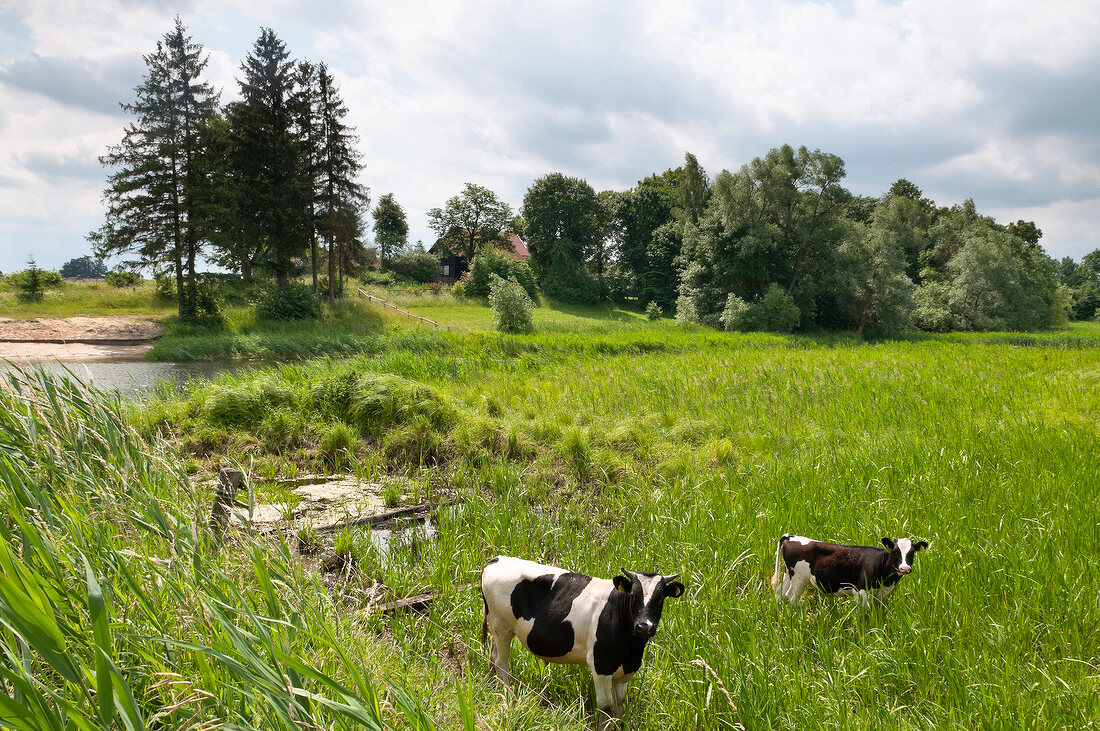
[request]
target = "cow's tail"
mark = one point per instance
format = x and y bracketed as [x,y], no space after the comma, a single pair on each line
[777,577]
[484,618]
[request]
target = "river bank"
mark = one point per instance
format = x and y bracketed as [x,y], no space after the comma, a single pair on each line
[78,339]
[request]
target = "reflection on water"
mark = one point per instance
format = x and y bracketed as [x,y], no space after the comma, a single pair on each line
[133,378]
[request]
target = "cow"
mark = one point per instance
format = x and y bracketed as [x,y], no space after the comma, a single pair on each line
[565,617]
[861,571]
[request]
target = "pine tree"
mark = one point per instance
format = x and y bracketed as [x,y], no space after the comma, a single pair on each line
[151,196]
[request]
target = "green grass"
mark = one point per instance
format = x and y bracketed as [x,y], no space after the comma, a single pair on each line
[691,451]
[89,299]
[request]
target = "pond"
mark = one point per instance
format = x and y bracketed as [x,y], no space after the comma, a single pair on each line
[133,378]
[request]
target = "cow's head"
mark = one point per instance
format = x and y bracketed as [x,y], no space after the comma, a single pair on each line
[902,552]
[647,598]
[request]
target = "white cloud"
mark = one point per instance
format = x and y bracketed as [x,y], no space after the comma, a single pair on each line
[499,93]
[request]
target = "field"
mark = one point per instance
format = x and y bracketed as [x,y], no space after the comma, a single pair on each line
[604,441]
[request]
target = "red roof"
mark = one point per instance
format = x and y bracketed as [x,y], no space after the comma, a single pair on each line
[519,249]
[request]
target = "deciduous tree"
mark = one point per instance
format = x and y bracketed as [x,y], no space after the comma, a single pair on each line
[472,221]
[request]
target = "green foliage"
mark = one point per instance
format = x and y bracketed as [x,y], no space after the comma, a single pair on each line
[780,313]
[492,263]
[512,307]
[930,308]
[33,282]
[571,285]
[564,224]
[686,313]
[416,266]
[296,302]
[653,311]
[471,222]
[740,316]
[391,230]
[124,278]
[84,267]
[338,442]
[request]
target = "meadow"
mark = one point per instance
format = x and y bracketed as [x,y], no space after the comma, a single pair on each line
[603,441]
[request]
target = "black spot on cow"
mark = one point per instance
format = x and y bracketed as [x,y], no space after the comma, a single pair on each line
[616,644]
[548,602]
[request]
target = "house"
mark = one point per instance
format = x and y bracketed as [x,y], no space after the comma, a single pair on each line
[455,265]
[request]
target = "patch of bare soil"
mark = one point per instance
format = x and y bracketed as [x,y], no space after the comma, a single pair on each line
[77,339]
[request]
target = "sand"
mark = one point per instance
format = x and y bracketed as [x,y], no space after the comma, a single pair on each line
[77,339]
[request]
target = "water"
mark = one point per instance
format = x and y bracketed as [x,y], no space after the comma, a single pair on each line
[134,378]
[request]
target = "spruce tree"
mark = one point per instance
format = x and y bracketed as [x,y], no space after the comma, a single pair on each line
[273,203]
[340,196]
[151,196]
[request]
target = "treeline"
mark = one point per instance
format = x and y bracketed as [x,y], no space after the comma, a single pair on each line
[781,244]
[265,183]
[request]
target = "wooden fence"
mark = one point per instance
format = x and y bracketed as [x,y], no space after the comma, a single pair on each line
[392,306]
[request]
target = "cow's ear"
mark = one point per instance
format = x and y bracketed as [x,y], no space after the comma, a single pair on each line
[622,584]
[674,589]
[889,543]
[921,545]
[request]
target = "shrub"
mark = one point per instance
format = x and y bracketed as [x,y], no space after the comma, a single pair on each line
[296,302]
[512,307]
[122,279]
[780,312]
[685,310]
[207,311]
[653,311]
[416,266]
[491,263]
[742,316]
[575,286]
[381,279]
[930,309]
[459,289]
[164,287]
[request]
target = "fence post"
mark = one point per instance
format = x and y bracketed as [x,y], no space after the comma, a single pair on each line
[229,479]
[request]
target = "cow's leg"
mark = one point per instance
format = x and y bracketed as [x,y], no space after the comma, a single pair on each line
[605,701]
[620,696]
[800,579]
[500,652]
[864,598]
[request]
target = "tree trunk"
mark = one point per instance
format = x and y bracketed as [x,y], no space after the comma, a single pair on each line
[331,273]
[246,269]
[313,262]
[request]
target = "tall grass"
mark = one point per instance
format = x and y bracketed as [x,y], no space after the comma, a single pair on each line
[692,451]
[85,298]
[117,610]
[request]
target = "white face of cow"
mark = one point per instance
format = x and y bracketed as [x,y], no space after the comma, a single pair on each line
[902,552]
[647,598]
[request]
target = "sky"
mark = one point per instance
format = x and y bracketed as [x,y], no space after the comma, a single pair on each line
[997,101]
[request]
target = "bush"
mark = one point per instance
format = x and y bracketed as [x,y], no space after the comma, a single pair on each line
[207,311]
[492,263]
[512,307]
[653,312]
[296,302]
[685,310]
[122,279]
[930,309]
[739,315]
[164,287]
[380,279]
[575,287]
[459,289]
[780,312]
[33,282]
[416,266]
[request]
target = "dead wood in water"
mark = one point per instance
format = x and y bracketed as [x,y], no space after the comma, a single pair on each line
[380,519]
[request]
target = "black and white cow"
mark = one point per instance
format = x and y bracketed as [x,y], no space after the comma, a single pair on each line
[565,617]
[861,571]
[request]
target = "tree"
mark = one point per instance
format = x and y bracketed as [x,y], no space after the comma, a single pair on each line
[694,188]
[275,191]
[151,197]
[391,230]
[565,223]
[84,267]
[340,196]
[472,221]
[779,220]
[870,279]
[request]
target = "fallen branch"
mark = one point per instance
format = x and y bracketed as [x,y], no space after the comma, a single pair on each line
[388,517]
[417,603]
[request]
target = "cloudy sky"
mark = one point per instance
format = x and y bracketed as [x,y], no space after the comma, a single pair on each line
[998,101]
